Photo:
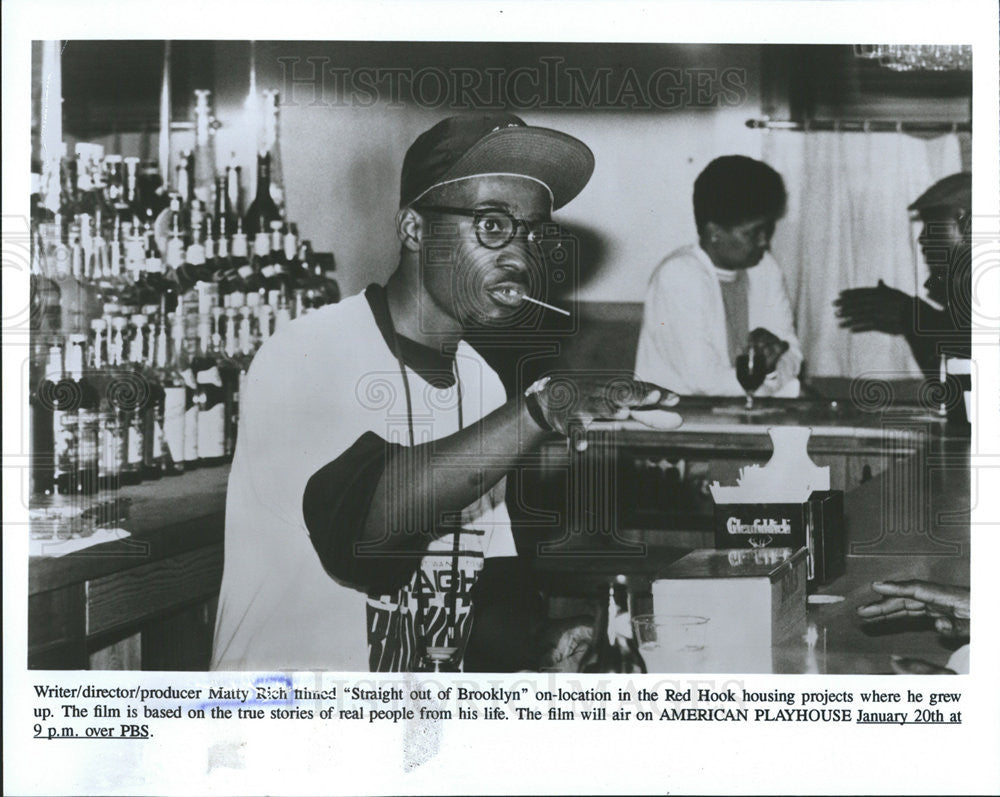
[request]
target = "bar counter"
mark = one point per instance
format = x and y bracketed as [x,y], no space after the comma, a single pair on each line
[148,601]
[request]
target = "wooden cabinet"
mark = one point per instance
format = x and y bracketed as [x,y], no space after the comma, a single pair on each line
[145,602]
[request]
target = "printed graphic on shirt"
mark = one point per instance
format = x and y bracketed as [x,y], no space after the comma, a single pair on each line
[433,610]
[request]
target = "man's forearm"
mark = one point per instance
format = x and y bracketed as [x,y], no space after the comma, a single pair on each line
[422,484]
[929,327]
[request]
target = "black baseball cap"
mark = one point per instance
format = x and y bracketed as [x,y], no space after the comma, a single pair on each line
[495,143]
[954,191]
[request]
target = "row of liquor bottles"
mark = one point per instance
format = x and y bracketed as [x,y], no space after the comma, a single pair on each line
[135,260]
[149,392]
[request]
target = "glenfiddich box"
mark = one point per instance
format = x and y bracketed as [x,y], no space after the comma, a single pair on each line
[816,525]
[754,601]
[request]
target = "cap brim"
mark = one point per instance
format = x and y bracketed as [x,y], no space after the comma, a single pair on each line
[560,161]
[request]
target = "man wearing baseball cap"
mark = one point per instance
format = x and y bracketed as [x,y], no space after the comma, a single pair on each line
[945,209]
[367,486]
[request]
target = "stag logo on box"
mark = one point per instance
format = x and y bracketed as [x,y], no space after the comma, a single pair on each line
[735,525]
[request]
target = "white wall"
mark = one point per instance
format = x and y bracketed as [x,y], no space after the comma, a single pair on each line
[341,172]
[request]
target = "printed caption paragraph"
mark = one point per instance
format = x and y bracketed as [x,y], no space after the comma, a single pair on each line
[87,711]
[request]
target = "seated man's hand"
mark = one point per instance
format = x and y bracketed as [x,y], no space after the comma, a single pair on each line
[948,605]
[569,402]
[879,309]
[767,348]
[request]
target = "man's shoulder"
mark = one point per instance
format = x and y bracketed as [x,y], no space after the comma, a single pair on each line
[681,266]
[319,327]
[330,337]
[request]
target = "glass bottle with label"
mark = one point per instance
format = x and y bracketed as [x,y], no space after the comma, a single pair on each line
[109,441]
[204,149]
[134,400]
[45,402]
[152,453]
[121,395]
[262,210]
[65,425]
[168,350]
[88,415]
[210,398]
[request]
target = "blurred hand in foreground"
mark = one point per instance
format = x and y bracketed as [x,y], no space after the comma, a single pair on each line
[947,604]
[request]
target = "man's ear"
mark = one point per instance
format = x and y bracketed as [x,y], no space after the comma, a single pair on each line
[710,232]
[409,228]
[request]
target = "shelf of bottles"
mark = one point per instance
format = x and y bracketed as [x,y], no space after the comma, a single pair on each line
[149,302]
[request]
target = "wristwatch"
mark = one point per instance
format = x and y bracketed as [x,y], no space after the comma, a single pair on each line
[534,407]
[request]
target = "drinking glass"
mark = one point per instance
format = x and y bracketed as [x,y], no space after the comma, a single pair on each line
[751,371]
[671,642]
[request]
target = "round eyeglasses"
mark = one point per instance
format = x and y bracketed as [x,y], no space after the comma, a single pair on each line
[495,227]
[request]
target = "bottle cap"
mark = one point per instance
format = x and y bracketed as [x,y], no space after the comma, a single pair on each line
[97,324]
[139,319]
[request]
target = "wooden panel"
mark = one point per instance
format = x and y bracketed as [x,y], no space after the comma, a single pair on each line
[56,616]
[56,627]
[126,654]
[134,595]
[182,641]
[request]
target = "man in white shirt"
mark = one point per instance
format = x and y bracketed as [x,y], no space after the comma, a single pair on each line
[710,302]
[368,481]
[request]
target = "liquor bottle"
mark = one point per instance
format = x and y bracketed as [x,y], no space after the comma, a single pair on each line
[194,255]
[234,190]
[44,402]
[135,405]
[229,370]
[277,280]
[290,244]
[76,254]
[210,398]
[222,211]
[262,318]
[271,143]
[191,412]
[632,660]
[121,392]
[135,260]
[88,415]
[262,210]
[174,248]
[204,150]
[247,280]
[157,283]
[115,261]
[109,438]
[282,313]
[153,195]
[612,648]
[174,392]
[132,202]
[184,178]
[65,425]
[603,654]
[260,270]
[114,181]
[153,466]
